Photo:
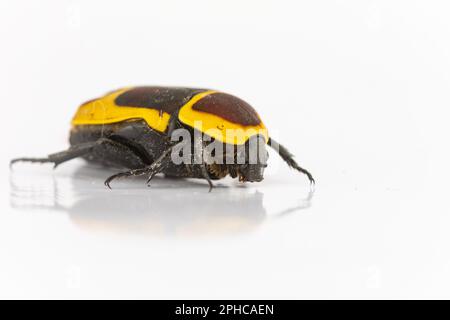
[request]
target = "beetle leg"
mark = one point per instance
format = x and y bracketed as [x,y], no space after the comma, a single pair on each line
[199,158]
[101,146]
[289,159]
[172,123]
[157,166]
[206,176]
[74,151]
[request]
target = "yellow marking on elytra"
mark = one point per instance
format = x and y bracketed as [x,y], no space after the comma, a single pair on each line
[105,111]
[217,127]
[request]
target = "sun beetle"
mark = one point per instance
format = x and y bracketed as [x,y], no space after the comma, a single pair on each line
[134,128]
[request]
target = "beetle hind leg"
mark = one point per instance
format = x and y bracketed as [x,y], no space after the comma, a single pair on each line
[103,150]
[73,152]
[289,159]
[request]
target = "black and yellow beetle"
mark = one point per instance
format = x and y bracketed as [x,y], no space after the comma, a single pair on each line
[133,128]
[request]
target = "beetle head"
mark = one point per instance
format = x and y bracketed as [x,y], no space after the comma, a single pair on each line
[256,157]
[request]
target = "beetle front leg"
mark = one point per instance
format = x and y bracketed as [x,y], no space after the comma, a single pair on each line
[289,159]
[156,167]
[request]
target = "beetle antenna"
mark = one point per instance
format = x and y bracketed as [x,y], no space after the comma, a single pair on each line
[289,159]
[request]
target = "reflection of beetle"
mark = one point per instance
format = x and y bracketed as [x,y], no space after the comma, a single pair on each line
[230,211]
[132,128]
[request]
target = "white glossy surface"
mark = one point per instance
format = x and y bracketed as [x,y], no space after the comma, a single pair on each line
[358,90]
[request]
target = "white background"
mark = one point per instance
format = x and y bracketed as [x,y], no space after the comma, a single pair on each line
[357,90]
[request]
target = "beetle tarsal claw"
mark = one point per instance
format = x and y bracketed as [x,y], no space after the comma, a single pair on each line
[312,186]
[150,179]
[108,181]
[115,176]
